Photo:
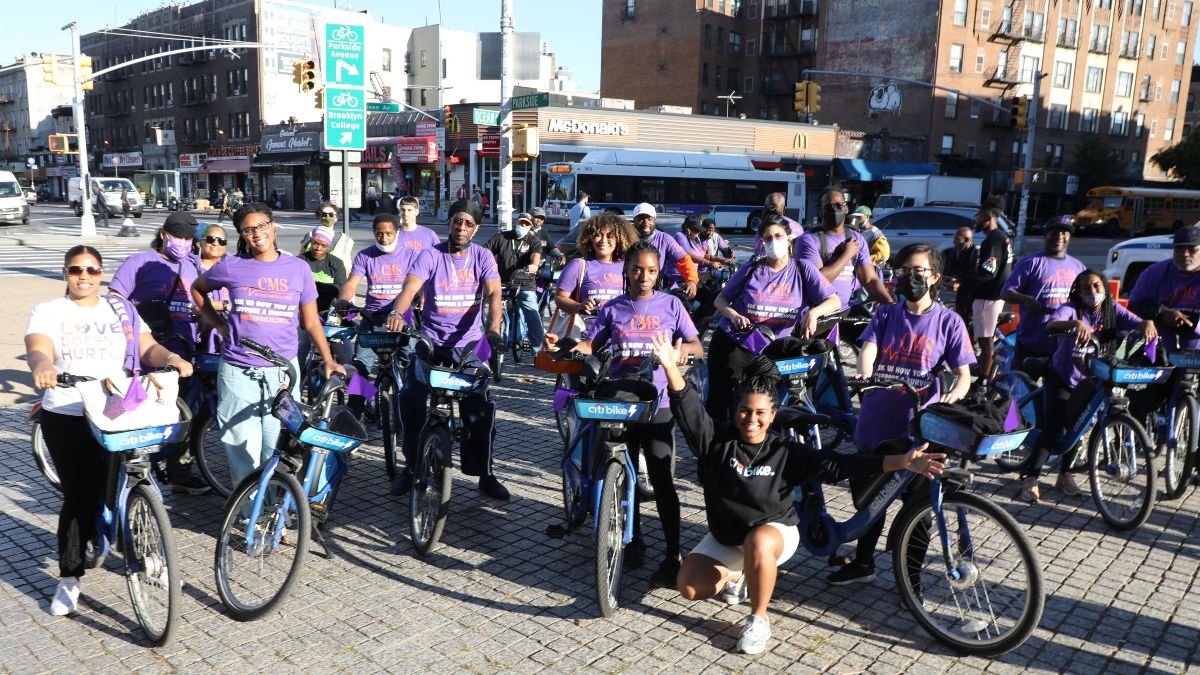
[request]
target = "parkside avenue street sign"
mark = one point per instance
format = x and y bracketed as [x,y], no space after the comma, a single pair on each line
[345,119]
[538,100]
[345,61]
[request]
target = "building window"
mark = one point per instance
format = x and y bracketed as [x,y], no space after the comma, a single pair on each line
[1124,84]
[1129,44]
[1068,33]
[749,84]
[704,107]
[1094,83]
[1191,101]
[1185,15]
[1058,155]
[735,43]
[1089,121]
[1030,65]
[948,144]
[951,105]
[993,149]
[1180,52]
[1098,42]
[1155,8]
[1154,122]
[1139,125]
[974,109]
[720,40]
[1118,123]
[971,150]
[1158,92]
[1057,116]
[751,44]
[704,74]
[979,62]
[1174,91]
[1151,46]
[1035,26]
[1144,91]
[1062,74]
[960,12]
[956,58]
[1169,129]
[985,17]
[629,7]
[707,36]
[717,77]
[387,60]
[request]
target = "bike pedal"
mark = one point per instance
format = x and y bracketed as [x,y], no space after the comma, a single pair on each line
[557,531]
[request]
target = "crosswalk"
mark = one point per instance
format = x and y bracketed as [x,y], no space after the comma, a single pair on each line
[47,262]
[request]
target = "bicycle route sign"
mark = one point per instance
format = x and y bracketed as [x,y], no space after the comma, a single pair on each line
[345,96]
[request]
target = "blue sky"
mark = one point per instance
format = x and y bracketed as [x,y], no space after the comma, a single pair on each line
[571,27]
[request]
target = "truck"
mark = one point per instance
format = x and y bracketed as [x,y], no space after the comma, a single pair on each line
[923,190]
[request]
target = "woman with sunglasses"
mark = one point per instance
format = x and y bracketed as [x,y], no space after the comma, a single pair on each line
[272,294]
[82,334]
[213,246]
[773,291]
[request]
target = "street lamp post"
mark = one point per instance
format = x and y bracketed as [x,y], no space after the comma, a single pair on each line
[87,224]
[504,190]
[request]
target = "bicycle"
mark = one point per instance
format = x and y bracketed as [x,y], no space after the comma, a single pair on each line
[599,477]
[133,519]
[953,589]
[271,513]
[387,398]
[514,329]
[37,446]
[205,438]
[429,499]
[341,336]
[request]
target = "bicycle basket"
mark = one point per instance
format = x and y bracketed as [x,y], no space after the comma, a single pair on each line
[1188,359]
[1115,371]
[953,435]
[132,439]
[798,358]
[448,380]
[344,432]
[208,363]
[623,400]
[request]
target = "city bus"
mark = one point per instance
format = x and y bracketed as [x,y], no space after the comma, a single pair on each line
[728,189]
[1137,211]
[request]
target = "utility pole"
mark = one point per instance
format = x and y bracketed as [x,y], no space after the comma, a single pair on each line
[1032,120]
[443,181]
[504,191]
[87,224]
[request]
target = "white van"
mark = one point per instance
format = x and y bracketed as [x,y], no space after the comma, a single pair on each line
[108,192]
[13,207]
[1128,259]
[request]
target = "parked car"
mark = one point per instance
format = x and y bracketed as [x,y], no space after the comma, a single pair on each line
[13,207]
[1128,259]
[106,191]
[933,225]
[31,195]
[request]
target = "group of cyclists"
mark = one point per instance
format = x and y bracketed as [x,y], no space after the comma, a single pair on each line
[630,289]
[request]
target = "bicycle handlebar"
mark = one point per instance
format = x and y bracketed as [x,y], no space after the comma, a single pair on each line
[270,355]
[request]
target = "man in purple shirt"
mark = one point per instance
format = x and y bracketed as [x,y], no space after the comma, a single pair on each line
[453,278]
[1039,284]
[677,265]
[840,253]
[1169,292]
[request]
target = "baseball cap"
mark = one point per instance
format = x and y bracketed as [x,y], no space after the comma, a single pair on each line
[525,217]
[1061,223]
[864,210]
[539,212]
[644,209]
[180,225]
[1187,236]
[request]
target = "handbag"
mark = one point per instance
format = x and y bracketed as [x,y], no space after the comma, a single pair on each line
[571,329]
[105,402]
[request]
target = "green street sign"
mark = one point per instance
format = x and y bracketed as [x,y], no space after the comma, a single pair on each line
[345,119]
[345,58]
[538,100]
[380,106]
[489,118]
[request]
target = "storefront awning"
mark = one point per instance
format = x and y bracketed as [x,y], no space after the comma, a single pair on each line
[226,166]
[866,170]
[283,159]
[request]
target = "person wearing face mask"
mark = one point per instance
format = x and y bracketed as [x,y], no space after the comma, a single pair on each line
[841,254]
[518,256]
[1090,312]
[773,291]
[960,260]
[1039,283]
[715,244]
[677,265]
[912,340]
[342,246]
[988,278]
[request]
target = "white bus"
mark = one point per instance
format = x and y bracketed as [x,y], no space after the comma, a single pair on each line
[728,189]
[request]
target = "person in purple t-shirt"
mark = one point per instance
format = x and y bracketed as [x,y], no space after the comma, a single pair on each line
[1090,312]
[1169,292]
[773,291]
[910,340]
[841,254]
[677,264]
[272,294]
[454,278]
[602,243]
[1039,284]
[626,325]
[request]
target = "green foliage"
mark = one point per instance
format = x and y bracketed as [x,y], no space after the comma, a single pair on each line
[1182,160]
[1095,162]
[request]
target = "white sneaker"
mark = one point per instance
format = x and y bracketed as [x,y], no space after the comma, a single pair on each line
[755,634]
[66,597]
[735,592]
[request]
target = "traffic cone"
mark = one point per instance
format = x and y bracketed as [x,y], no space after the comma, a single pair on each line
[128,229]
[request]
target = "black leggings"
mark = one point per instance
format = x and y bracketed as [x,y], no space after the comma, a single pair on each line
[655,440]
[726,361]
[82,467]
[865,548]
[1064,405]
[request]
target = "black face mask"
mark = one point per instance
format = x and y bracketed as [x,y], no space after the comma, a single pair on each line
[912,287]
[455,248]
[832,218]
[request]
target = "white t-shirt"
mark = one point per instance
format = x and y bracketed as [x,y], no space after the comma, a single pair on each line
[87,341]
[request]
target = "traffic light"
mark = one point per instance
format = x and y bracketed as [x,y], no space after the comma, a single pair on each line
[308,75]
[525,143]
[85,72]
[48,69]
[800,100]
[814,98]
[1020,111]
[60,144]
[321,98]
[297,67]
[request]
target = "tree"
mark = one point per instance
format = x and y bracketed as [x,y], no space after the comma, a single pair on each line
[1182,160]
[1096,163]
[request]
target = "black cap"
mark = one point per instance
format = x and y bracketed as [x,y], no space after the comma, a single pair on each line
[1187,236]
[1061,223]
[181,225]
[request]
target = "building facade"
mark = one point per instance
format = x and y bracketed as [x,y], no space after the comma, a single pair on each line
[28,102]
[1192,108]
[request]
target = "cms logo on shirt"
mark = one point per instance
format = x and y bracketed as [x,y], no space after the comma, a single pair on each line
[272,284]
[644,322]
[911,348]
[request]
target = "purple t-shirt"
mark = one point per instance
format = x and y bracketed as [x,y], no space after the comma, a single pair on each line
[692,246]
[1049,280]
[669,253]
[385,274]
[1069,357]
[266,298]
[1163,284]
[626,326]
[808,248]
[601,282]
[147,277]
[417,239]
[452,291]
[910,345]
[774,299]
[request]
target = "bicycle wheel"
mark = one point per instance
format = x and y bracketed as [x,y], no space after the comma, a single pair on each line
[1121,472]
[560,416]
[997,600]
[151,565]
[210,454]
[429,500]
[41,456]
[389,422]
[610,533]
[1180,461]
[253,580]
[848,354]
[1019,385]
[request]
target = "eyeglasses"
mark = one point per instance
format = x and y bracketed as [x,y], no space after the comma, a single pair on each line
[219,241]
[458,220]
[919,271]
[774,237]
[261,227]
[78,270]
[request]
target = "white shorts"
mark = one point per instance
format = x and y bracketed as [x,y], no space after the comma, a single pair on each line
[733,558]
[985,314]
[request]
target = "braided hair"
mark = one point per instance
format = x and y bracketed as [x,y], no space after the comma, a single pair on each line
[1108,317]
[759,376]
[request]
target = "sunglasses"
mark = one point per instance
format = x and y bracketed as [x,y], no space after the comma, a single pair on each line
[462,221]
[78,270]
[328,214]
[219,241]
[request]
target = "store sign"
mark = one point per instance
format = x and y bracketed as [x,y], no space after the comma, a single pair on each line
[426,128]
[130,159]
[233,152]
[292,141]
[490,146]
[375,157]
[419,149]
[189,160]
[561,126]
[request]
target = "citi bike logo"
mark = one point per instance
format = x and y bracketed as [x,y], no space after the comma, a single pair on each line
[146,437]
[1141,376]
[330,441]
[612,410]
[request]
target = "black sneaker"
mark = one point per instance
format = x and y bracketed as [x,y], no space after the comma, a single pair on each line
[667,572]
[491,487]
[635,555]
[192,485]
[854,573]
[401,484]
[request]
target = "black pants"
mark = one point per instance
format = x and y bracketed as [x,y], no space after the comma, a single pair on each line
[1064,405]
[726,361]
[82,467]
[655,441]
[865,548]
[1020,353]
[478,418]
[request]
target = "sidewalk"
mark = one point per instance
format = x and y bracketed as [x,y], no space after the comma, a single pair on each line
[20,297]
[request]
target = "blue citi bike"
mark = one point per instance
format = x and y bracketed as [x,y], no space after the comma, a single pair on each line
[271,516]
[1177,431]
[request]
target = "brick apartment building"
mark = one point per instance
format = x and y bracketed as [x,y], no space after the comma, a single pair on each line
[1192,109]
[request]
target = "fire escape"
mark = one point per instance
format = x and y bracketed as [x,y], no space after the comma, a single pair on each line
[1009,33]
[784,51]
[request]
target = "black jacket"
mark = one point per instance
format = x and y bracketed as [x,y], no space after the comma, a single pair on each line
[993,266]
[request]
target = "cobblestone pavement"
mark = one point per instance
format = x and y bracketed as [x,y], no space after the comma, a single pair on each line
[500,596]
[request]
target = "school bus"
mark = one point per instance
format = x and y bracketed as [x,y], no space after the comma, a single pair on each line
[1137,211]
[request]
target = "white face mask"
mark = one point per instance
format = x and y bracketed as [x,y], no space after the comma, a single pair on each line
[387,248]
[777,249]
[1092,299]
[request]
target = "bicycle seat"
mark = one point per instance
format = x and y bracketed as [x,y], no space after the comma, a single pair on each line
[1005,317]
[1036,366]
[796,418]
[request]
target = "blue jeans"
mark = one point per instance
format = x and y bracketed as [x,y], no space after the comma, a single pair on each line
[527,305]
[249,432]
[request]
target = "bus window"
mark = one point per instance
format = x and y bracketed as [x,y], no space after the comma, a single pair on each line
[652,190]
[612,189]
[561,186]
[1111,202]
[685,191]
[718,192]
